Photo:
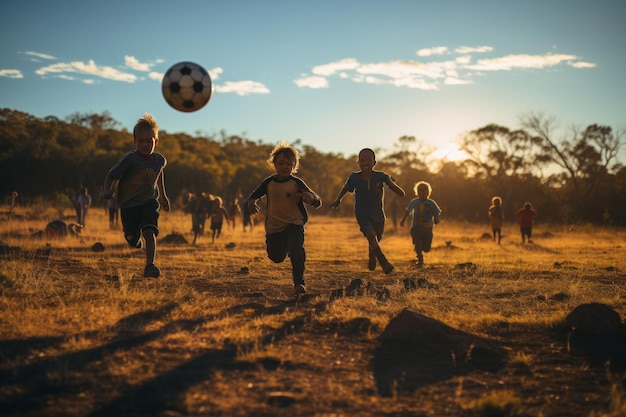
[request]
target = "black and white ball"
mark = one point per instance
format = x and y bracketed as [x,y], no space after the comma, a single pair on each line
[187,87]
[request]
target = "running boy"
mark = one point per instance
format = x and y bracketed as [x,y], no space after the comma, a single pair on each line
[286,214]
[367,186]
[218,214]
[497,217]
[137,182]
[425,214]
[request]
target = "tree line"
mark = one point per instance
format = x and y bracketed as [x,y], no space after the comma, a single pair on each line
[569,177]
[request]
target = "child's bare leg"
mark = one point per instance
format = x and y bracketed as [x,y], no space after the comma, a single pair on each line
[374,247]
[151,270]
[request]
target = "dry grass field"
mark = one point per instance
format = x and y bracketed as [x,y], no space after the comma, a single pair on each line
[82,333]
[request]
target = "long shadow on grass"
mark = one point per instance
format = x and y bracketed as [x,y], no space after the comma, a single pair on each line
[42,381]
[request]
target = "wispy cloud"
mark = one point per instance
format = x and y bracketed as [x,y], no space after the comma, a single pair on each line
[335,67]
[313,82]
[11,73]
[89,68]
[428,74]
[40,55]
[521,61]
[473,49]
[242,88]
[134,64]
[581,64]
[437,50]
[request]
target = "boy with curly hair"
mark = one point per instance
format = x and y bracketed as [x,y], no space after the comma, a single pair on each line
[286,214]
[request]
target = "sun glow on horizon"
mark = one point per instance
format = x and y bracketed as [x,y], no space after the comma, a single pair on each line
[450,152]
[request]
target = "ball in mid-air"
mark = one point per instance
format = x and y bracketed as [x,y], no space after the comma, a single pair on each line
[187,87]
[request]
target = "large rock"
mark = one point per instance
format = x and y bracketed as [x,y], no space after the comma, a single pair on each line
[416,350]
[597,331]
[594,319]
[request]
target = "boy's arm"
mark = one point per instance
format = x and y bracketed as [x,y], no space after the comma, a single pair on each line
[163,200]
[395,187]
[110,185]
[308,196]
[406,214]
[260,191]
[335,203]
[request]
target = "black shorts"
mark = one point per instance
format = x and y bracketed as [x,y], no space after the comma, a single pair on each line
[139,218]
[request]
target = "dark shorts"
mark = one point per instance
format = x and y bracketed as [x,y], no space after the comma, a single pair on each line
[139,218]
[422,238]
[366,223]
[216,225]
[526,231]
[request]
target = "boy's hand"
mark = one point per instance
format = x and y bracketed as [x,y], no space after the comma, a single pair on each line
[108,194]
[165,203]
[253,208]
[308,198]
[335,204]
[402,222]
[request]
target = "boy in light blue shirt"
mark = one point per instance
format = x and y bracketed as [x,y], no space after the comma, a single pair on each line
[425,214]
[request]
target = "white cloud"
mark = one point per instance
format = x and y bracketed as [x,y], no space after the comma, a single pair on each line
[434,74]
[133,63]
[473,49]
[39,55]
[334,67]
[89,68]
[242,88]
[437,50]
[581,64]
[155,76]
[510,62]
[11,73]
[313,81]
[215,73]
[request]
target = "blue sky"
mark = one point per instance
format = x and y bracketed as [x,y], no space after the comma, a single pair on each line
[339,75]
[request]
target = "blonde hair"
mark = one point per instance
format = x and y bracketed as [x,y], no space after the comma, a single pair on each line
[283,148]
[496,198]
[147,122]
[422,184]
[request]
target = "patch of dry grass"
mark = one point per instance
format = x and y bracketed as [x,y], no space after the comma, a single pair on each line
[83,333]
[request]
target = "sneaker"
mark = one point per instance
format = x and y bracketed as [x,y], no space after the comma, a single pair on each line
[387,267]
[419,264]
[371,263]
[151,271]
[300,289]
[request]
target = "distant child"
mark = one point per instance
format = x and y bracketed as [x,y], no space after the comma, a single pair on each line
[497,217]
[286,214]
[425,214]
[367,186]
[84,201]
[218,214]
[137,182]
[526,216]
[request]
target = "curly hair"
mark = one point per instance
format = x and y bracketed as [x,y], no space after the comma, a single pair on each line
[421,184]
[283,148]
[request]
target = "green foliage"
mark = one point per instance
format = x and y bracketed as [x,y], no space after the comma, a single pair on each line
[574,180]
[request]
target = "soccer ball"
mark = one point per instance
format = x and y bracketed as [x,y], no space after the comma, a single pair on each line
[187,87]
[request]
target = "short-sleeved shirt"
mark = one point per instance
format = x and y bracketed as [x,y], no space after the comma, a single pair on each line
[138,178]
[424,212]
[526,217]
[368,195]
[284,206]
